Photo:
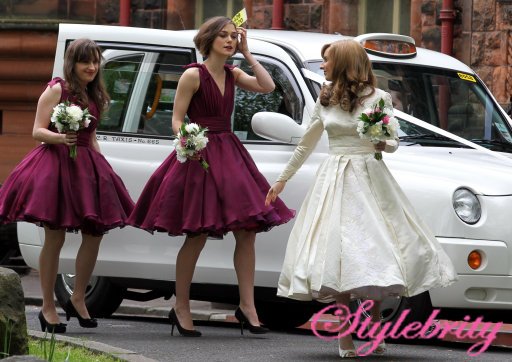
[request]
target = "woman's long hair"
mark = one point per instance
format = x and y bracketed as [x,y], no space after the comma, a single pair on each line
[351,74]
[85,50]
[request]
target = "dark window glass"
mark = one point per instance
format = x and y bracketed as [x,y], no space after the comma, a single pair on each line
[119,74]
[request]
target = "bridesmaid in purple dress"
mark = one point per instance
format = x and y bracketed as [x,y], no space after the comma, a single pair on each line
[62,194]
[182,198]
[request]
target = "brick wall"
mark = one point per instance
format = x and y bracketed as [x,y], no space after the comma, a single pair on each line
[26,63]
[491,46]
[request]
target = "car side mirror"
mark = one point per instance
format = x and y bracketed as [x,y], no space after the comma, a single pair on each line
[277,127]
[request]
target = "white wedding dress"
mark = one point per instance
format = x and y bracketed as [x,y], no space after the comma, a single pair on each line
[356,232]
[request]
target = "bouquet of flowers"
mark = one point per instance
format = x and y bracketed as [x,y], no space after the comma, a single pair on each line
[67,117]
[190,140]
[377,124]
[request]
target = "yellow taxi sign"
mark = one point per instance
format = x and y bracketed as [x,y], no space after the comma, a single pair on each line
[240,17]
[465,76]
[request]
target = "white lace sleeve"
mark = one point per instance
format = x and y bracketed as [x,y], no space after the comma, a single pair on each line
[391,145]
[306,145]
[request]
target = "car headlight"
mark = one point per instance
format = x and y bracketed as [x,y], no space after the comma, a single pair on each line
[466,206]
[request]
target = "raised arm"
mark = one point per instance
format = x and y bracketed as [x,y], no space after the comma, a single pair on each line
[261,81]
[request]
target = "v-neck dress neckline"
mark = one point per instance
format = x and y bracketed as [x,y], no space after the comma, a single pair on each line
[214,82]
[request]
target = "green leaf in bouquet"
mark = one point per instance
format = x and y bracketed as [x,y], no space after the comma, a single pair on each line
[364,117]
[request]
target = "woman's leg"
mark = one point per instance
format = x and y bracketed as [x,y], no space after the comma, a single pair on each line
[185,266]
[245,260]
[376,311]
[376,318]
[346,343]
[48,267]
[84,266]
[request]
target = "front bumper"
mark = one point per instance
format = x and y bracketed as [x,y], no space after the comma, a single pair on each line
[488,287]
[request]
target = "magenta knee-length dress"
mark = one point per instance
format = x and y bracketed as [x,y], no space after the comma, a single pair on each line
[49,188]
[182,198]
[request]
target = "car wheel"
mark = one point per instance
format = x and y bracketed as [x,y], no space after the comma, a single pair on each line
[10,255]
[6,253]
[419,308]
[279,315]
[102,297]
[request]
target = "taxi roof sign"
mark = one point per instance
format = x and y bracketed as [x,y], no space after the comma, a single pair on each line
[388,45]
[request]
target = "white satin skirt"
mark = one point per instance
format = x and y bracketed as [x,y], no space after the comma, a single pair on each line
[357,233]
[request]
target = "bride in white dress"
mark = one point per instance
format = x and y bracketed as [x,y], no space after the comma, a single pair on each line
[356,234]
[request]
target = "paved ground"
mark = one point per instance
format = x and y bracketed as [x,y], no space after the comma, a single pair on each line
[207,312]
[157,307]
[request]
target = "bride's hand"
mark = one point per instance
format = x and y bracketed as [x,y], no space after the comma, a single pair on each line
[275,190]
[380,146]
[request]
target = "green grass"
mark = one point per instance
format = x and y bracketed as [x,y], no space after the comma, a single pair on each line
[59,352]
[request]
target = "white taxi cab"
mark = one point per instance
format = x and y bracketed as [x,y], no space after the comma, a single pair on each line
[461,189]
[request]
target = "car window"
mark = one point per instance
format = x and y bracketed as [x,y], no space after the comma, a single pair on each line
[142,87]
[453,101]
[119,75]
[156,112]
[456,102]
[286,98]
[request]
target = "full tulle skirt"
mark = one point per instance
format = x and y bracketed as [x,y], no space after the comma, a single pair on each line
[183,198]
[49,188]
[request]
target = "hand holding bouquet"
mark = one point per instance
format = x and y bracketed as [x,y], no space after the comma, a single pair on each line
[189,142]
[70,117]
[377,124]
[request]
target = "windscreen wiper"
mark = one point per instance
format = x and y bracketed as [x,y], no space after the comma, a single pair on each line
[444,141]
[494,142]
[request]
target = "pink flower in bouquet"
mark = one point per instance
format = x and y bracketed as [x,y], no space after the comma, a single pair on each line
[190,141]
[377,125]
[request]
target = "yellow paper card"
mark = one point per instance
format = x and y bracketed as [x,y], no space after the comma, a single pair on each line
[240,17]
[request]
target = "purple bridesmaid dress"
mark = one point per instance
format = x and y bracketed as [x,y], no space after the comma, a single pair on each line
[49,188]
[182,198]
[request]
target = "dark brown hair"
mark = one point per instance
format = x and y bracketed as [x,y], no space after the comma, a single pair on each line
[208,32]
[351,74]
[85,50]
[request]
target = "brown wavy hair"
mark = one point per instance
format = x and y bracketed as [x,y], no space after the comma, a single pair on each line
[85,50]
[208,32]
[351,74]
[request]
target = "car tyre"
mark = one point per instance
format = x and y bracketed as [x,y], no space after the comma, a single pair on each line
[102,297]
[283,316]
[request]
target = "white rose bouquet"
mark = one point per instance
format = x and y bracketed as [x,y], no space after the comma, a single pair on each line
[70,117]
[190,140]
[377,124]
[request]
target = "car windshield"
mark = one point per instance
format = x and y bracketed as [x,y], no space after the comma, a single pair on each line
[454,101]
[411,134]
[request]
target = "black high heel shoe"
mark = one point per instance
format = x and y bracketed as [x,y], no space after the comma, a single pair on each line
[84,322]
[51,328]
[243,320]
[173,319]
